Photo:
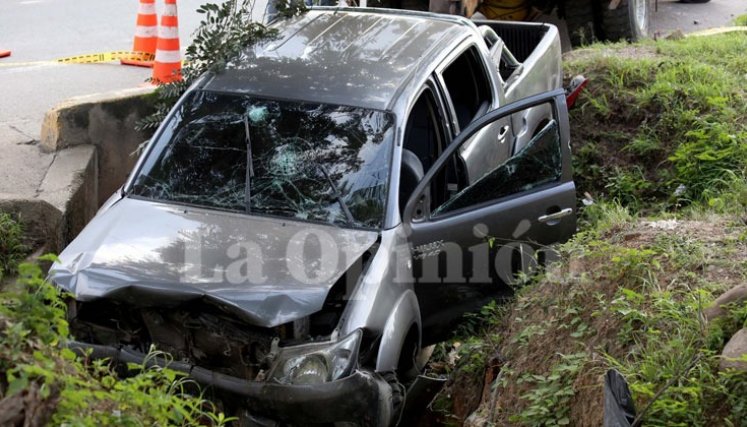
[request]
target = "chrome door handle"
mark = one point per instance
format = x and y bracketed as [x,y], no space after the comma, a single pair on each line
[502,134]
[555,216]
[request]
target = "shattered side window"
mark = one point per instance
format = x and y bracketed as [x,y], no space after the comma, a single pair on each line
[538,163]
[314,162]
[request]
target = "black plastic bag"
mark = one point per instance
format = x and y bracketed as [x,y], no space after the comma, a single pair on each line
[619,409]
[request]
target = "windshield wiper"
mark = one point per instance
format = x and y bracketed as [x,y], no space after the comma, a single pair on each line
[336,194]
[249,167]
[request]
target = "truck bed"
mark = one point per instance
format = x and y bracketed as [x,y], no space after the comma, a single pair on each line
[520,38]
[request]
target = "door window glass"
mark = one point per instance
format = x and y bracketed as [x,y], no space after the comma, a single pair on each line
[468,87]
[423,143]
[539,162]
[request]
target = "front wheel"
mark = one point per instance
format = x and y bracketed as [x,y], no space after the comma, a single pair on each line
[630,21]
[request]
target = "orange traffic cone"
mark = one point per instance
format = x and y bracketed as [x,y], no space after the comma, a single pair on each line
[146,33]
[168,66]
[4,53]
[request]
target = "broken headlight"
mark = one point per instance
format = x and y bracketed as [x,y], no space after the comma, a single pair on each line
[317,363]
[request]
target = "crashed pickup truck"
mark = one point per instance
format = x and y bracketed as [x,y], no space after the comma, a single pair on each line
[308,221]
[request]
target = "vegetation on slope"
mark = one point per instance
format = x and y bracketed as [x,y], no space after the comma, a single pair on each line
[43,382]
[660,145]
[662,124]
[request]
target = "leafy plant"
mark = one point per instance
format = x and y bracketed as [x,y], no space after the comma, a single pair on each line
[550,395]
[708,159]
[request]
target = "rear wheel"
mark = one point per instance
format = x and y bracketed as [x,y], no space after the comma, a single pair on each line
[631,20]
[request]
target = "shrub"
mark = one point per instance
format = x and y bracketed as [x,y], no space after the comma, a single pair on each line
[38,371]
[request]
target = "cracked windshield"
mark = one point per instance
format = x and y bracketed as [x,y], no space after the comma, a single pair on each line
[314,162]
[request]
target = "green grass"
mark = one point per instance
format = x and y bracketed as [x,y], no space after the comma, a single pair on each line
[741,20]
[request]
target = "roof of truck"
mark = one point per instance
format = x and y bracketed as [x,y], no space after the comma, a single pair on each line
[356,57]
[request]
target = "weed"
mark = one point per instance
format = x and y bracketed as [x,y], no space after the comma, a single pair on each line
[602,217]
[644,144]
[12,249]
[709,158]
[629,187]
[733,198]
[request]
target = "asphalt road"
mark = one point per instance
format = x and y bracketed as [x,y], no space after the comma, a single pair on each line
[673,15]
[44,30]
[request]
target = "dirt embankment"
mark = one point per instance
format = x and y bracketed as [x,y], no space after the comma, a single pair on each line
[630,297]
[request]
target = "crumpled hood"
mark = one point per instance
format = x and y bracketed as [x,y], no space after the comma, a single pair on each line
[269,271]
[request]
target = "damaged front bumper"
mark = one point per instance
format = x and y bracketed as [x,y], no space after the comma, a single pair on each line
[363,397]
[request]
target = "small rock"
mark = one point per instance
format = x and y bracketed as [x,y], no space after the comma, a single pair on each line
[476,419]
[734,349]
[696,22]
[736,294]
[664,224]
[677,35]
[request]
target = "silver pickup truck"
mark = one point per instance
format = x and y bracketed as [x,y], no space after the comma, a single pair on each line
[309,220]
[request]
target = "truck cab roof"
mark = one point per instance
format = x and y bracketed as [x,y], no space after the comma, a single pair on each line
[357,57]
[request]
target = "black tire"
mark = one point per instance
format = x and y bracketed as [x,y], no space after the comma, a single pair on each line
[579,19]
[631,20]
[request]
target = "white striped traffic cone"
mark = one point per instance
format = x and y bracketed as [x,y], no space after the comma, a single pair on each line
[168,65]
[146,33]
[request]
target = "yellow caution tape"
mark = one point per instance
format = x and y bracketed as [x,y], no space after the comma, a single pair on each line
[87,59]
[106,57]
